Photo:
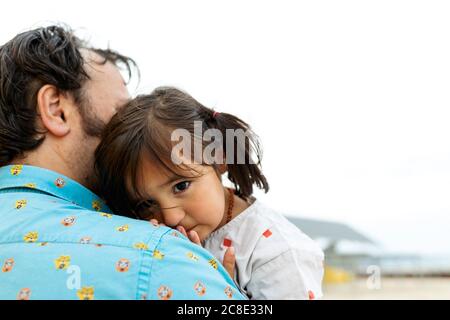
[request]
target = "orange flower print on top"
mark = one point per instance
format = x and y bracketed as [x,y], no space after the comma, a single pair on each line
[86,293]
[24,294]
[227,242]
[68,221]
[311,295]
[20,204]
[8,265]
[229,292]
[200,288]
[165,293]
[267,233]
[16,170]
[96,205]
[31,236]
[59,182]
[62,262]
[123,265]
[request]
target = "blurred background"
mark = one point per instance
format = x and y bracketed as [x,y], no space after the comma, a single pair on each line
[351,102]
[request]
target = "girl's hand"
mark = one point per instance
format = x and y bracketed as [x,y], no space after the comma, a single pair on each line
[193,235]
[156,223]
[229,261]
[229,258]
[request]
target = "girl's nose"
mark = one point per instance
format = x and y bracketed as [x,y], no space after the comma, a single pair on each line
[172,215]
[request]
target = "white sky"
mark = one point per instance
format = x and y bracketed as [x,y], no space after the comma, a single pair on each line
[350,98]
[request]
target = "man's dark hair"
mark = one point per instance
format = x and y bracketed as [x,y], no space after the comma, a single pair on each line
[32,59]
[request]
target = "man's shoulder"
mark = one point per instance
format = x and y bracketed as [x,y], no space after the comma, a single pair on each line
[159,261]
[57,220]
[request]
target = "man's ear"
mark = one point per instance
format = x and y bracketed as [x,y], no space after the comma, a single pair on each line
[50,105]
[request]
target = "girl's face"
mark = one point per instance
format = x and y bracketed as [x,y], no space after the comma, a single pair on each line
[195,203]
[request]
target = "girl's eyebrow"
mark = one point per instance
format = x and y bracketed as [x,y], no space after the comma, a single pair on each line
[171,180]
[175,177]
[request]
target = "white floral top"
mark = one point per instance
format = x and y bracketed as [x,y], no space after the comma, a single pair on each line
[274,258]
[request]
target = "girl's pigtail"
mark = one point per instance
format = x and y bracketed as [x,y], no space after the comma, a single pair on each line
[242,175]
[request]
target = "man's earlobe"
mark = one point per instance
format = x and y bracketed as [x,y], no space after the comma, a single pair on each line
[51,110]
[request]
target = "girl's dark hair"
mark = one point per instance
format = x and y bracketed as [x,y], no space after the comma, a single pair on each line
[32,59]
[143,128]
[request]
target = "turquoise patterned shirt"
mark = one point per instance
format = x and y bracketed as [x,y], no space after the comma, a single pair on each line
[58,240]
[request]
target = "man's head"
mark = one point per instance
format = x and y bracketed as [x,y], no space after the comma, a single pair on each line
[56,94]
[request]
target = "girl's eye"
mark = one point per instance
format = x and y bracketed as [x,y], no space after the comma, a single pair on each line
[182,186]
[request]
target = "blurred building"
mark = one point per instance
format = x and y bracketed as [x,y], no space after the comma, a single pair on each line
[349,253]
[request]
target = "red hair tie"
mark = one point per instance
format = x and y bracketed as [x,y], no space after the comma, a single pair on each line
[215,114]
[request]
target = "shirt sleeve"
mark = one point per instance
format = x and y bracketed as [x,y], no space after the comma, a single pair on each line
[293,274]
[182,270]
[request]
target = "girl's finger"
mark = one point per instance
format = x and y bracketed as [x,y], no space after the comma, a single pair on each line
[229,261]
[182,230]
[154,222]
[193,236]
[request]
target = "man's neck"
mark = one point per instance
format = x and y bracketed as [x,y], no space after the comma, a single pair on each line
[50,159]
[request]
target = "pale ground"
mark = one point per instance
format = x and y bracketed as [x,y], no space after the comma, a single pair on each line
[391,288]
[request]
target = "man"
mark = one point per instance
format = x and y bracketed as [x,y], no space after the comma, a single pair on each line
[58,240]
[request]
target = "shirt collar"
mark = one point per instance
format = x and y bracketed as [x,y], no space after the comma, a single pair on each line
[58,185]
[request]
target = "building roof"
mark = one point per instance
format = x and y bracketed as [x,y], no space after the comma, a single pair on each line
[332,231]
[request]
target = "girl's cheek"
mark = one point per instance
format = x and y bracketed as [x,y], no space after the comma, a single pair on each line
[206,202]
[205,210]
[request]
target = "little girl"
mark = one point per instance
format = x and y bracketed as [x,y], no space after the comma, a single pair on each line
[143,173]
